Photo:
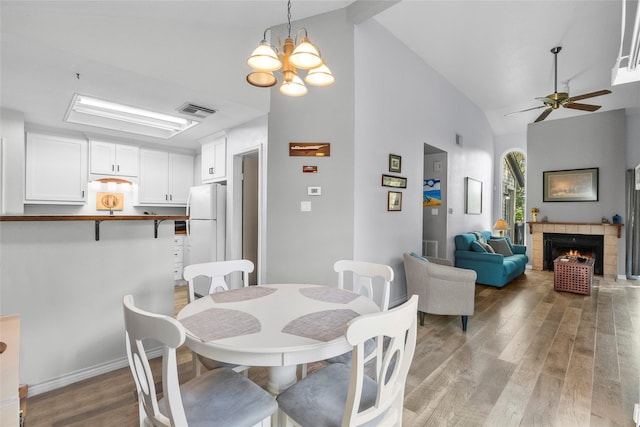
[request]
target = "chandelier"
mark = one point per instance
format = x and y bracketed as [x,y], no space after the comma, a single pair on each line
[266,59]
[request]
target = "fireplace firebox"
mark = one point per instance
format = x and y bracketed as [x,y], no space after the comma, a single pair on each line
[582,245]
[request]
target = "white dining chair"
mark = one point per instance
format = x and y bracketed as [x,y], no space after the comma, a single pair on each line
[216,272]
[341,395]
[363,277]
[220,397]
[364,274]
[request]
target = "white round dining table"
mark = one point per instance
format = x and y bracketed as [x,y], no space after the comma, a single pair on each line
[278,326]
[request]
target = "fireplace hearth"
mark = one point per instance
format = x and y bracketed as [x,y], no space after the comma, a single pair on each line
[582,245]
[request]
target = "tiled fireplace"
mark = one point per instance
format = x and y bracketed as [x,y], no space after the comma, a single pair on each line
[580,235]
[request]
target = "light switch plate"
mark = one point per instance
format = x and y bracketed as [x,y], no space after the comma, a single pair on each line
[305,206]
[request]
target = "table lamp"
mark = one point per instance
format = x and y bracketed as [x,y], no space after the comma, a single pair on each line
[501,225]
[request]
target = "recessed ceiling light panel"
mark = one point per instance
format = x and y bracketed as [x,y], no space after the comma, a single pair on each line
[90,111]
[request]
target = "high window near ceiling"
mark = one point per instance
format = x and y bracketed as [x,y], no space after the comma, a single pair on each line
[513,195]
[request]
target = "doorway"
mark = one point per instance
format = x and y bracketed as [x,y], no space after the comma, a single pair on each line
[513,195]
[250,190]
[434,202]
[246,220]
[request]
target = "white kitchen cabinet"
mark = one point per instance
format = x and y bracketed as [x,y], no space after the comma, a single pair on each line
[165,178]
[214,161]
[108,158]
[56,170]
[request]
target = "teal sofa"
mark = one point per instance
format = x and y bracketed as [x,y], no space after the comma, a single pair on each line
[494,269]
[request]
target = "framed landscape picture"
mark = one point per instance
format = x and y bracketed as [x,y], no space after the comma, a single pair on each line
[394,181]
[573,185]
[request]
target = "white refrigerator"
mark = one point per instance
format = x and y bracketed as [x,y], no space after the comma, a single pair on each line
[206,209]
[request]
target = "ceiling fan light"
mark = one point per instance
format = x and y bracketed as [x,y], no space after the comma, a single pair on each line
[293,87]
[320,76]
[306,56]
[264,58]
[262,78]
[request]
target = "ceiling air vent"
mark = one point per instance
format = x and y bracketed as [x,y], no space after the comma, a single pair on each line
[196,110]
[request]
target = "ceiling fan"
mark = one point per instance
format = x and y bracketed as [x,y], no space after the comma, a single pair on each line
[562,99]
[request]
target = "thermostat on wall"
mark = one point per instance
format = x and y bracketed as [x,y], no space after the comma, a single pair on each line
[314,191]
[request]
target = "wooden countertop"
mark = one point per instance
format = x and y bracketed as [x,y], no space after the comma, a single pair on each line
[92,217]
[157,219]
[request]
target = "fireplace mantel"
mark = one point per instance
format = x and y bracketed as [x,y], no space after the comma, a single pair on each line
[618,226]
[611,233]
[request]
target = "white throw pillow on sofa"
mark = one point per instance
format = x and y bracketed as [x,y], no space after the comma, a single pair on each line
[500,246]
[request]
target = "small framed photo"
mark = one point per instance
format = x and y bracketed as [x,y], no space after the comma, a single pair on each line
[394,181]
[394,201]
[395,163]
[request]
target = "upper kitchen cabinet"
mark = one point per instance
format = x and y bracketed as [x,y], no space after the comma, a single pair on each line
[165,178]
[114,159]
[56,170]
[214,160]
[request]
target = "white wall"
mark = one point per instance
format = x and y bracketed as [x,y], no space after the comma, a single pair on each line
[12,167]
[633,138]
[586,141]
[68,289]
[302,246]
[402,103]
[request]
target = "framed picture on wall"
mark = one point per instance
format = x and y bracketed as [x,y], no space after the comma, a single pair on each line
[473,196]
[395,163]
[394,181]
[394,201]
[573,185]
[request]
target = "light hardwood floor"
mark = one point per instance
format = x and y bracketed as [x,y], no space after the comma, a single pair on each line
[530,357]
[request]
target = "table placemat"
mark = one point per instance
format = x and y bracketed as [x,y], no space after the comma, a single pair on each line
[242,294]
[217,323]
[322,326]
[327,294]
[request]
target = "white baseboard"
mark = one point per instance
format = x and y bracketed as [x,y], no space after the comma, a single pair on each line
[84,374]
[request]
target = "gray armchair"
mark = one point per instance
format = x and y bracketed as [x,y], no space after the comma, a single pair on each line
[442,288]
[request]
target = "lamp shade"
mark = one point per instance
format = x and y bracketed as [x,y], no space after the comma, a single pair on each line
[501,225]
[264,58]
[320,76]
[306,56]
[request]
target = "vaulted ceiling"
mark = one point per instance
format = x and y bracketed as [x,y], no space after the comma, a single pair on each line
[160,54]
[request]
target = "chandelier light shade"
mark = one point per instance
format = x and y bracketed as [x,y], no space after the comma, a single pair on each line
[264,58]
[320,76]
[305,56]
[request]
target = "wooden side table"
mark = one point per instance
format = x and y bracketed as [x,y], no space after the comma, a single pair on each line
[572,275]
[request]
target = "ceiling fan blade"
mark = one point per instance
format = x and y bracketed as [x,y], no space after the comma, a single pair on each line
[522,111]
[590,95]
[583,107]
[544,115]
